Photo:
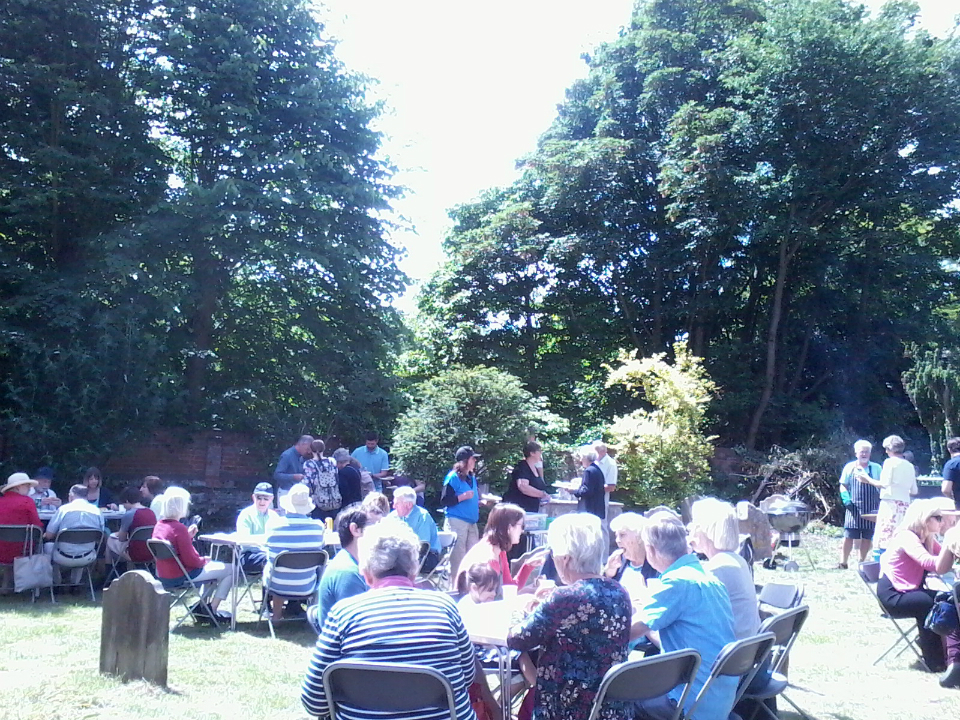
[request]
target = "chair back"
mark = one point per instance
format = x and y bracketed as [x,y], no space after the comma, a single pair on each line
[785,628]
[386,688]
[80,536]
[141,534]
[301,559]
[647,678]
[869,572]
[742,659]
[781,595]
[31,536]
[163,550]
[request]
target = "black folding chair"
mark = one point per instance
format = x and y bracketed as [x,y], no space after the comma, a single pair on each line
[379,687]
[183,587]
[31,537]
[86,560]
[140,534]
[785,628]
[869,572]
[439,577]
[776,597]
[740,659]
[295,560]
[651,677]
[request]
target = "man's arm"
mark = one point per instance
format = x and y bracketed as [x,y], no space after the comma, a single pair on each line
[287,472]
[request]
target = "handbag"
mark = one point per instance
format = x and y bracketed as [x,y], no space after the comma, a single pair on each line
[31,572]
[942,618]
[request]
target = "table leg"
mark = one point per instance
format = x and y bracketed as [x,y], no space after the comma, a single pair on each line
[505,699]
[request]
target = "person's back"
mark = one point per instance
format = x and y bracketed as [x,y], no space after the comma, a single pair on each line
[341,579]
[78,514]
[292,532]
[734,573]
[137,550]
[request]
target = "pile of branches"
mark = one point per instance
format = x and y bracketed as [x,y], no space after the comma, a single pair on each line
[808,475]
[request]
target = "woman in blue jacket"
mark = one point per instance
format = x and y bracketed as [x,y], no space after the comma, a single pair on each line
[462,503]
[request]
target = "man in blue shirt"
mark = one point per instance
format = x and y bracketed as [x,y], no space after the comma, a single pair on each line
[405,508]
[342,578]
[290,467]
[687,608]
[374,459]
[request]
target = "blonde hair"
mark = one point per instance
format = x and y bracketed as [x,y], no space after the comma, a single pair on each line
[377,502]
[894,443]
[717,520]
[917,514]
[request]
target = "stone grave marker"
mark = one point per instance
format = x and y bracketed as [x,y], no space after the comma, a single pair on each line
[135,629]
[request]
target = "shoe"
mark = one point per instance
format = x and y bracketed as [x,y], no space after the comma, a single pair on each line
[841,566]
[951,678]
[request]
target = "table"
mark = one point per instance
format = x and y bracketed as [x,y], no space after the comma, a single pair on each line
[489,624]
[869,517]
[236,542]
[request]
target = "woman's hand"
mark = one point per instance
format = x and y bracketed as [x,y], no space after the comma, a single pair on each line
[613,563]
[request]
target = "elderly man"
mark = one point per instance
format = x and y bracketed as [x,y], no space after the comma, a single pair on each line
[253,520]
[609,468]
[295,531]
[348,478]
[43,494]
[290,466]
[16,508]
[406,509]
[376,625]
[374,459]
[77,514]
[341,578]
[859,496]
[591,493]
[687,608]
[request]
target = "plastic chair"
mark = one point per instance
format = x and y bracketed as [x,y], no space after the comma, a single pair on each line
[381,687]
[869,572]
[741,659]
[785,627]
[650,677]
[181,588]
[31,537]
[295,560]
[80,536]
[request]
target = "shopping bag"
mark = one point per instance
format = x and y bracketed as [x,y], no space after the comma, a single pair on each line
[32,572]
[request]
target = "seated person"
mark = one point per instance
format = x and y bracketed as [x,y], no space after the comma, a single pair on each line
[78,513]
[16,508]
[400,480]
[628,565]
[503,530]
[377,625]
[376,506]
[341,578]
[687,608]
[406,509]
[215,577]
[152,491]
[135,516]
[294,531]
[96,493]
[253,520]
[43,494]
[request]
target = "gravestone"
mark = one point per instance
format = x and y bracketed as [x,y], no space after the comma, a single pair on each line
[135,630]
[754,522]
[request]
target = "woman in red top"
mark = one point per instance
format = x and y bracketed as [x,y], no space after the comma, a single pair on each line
[16,509]
[503,531]
[201,570]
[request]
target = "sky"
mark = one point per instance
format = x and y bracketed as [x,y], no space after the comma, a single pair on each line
[467,89]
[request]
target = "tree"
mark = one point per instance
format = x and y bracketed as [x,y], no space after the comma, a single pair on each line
[933,384]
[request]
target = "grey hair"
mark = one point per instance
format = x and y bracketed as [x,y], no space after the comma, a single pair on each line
[588,453]
[341,455]
[78,492]
[717,520]
[600,445]
[405,492]
[668,538]
[579,537]
[175,503]
[630,521]
[894,443]
[862,443]
[389,547]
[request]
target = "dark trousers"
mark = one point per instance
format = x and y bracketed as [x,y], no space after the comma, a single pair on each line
[916,604]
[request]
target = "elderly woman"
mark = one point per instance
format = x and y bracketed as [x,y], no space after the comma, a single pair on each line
[898,481]
[715,532]
[393,622]
[16,508]
[629,565]
[215,577]
[912,552]
[582,628]
[503,530]
[376,505]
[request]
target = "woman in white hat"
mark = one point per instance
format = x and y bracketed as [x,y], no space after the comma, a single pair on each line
[16,508]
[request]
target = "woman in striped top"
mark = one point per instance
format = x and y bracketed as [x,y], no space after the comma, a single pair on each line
[393,622]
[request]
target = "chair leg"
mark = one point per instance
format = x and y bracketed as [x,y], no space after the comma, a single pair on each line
[93,596]
[795,707]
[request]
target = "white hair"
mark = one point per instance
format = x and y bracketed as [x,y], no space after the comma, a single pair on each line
[862,444]
[667,537]
[389,547]
[631,521]
[579,537]
[588,453]
[175,503]
[405,492]
[600,445]
[717,520]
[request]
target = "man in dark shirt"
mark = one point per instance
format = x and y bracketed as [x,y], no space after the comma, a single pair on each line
[951,471]
[290,467]
[348,478]
[591,491]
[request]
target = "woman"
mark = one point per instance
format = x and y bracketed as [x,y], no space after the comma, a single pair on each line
[527,487]
[503,531]
[462,502]
[898,481]
[320,475]
[216,577]
[96,493]
[376,506]
[715,532]
[628,565]
[16,508]
[912,552]
[582,628]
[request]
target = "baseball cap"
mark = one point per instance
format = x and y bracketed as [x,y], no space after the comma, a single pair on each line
[465,453]
[263,488]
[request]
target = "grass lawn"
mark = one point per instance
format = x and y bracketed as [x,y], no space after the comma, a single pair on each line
[49,657]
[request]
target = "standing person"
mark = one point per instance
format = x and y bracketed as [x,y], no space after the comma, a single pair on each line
[609,468]
[290,466]
[253,520]
[951,471]
[859,497]
[374,459]
[43,494]
[591,492]
[898,481]
[320,475]
[96,493]
[16,508]
[348,478]
[527,486]
[461,499]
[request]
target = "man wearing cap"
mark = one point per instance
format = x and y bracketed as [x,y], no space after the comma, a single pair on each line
[405,508]
[43,494]
[462,503]
[78,513]
[290,466]
[16,508]
[295,531]
[253,520]
[374,459]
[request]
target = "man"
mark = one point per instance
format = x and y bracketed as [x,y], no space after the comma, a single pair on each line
[348,478]
[341,578]
[951,471]
[859,497]
[253,520]
[687,608]
[290,466]
[591,491]
[608,466]
[405,508]
[78,513]
[135,516]
[42,494]
[152,492]
[374,460]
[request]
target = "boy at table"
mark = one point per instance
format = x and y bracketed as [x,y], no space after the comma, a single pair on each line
[253,520]
[42,493]
[135,516]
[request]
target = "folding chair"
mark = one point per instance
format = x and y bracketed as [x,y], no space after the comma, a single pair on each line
[379,687]
[650,677]
[424,551]
[439,577]
[741,659]
[785,628]
[140,534]
[775,597]
[869,572]
[31,537]
[181,588]
[295,560]
[79,536]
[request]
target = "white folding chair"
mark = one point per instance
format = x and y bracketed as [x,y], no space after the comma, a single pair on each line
[294,560]
[83,561]
[379,687]
[439,577]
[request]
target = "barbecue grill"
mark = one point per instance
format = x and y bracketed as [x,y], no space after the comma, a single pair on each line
[789,518]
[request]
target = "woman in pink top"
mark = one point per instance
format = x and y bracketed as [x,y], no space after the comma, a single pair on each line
[503,531]
[912,552]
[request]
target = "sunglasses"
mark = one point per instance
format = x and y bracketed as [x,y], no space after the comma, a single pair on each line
[938,518]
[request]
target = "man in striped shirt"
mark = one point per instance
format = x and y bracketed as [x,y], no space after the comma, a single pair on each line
[295,531]
[393,622]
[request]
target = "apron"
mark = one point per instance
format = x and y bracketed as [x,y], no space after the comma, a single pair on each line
[866,498]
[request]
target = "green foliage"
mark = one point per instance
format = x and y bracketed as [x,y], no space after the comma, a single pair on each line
[933,384]
[662,452]
[484,408]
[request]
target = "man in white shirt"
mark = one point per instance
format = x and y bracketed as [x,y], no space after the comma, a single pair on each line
[253,520]
[78,513]
[42,493]
[609,468]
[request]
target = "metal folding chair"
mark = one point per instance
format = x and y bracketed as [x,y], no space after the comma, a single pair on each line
[380,687]
[776,597]
[741,659]
[785,627]
[181,588]
[31,537]
[79,536]
[439,577]
[869,572]
[140,534]
[650,677]
[295,560]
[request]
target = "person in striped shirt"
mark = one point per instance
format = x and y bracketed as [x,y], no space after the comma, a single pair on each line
[393,622]
[295,531]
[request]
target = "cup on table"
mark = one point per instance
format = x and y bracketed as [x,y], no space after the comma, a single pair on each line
[509,592]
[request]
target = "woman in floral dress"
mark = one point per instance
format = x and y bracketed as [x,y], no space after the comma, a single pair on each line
[582,628]
[897,483]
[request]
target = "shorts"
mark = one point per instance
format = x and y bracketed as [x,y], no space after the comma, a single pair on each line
[857,534]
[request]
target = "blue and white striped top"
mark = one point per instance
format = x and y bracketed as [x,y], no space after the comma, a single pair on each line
[399,624]
[292,532]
